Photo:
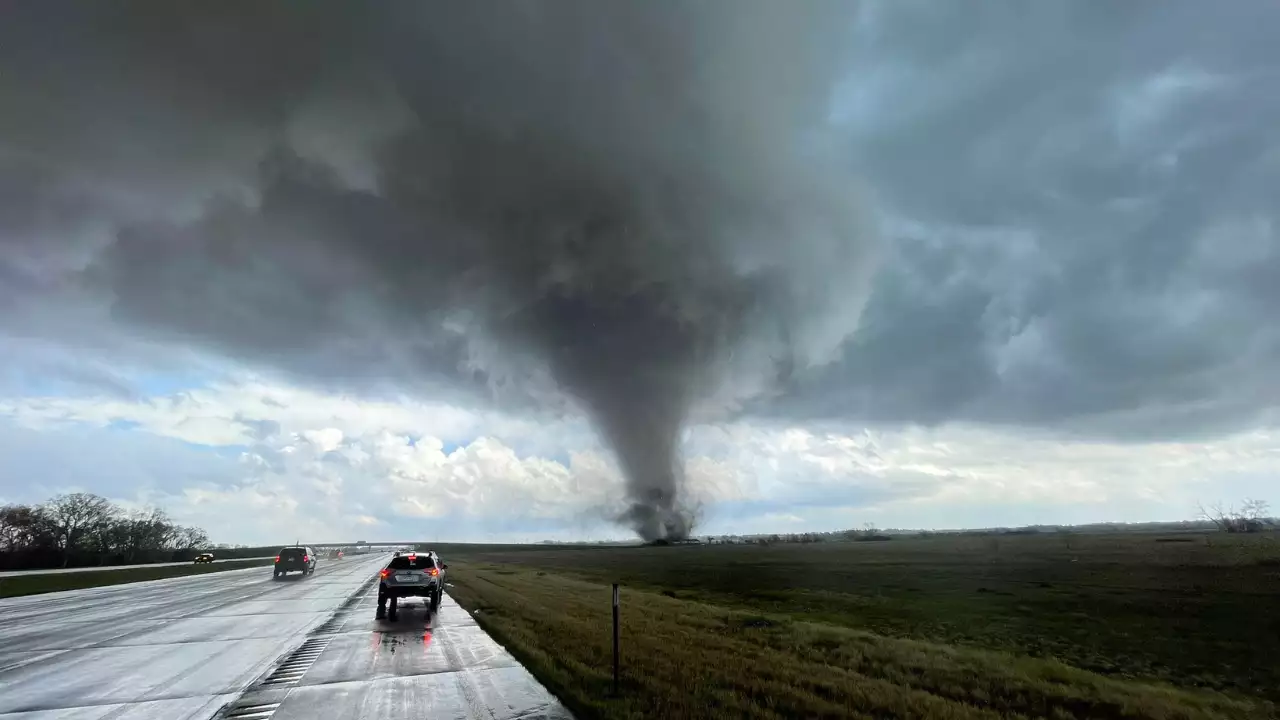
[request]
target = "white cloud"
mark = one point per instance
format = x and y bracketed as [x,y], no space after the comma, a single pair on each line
[237,412]
[486,478]
[320,466]
[782,518]
[326,440]
[910,477]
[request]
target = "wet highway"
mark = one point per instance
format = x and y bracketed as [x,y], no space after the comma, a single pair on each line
[62,571]
[240,645]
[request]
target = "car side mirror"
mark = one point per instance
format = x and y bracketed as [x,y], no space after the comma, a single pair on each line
[445,566]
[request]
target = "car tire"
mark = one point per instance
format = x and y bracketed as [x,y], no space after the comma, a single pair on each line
[435,602]
[392,610]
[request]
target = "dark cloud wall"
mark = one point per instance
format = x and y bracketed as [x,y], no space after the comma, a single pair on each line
[526,202]
[640,206]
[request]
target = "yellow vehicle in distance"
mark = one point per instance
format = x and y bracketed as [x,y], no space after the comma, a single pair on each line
[204,558]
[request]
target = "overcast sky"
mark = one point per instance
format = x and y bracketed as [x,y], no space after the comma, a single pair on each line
[522,271]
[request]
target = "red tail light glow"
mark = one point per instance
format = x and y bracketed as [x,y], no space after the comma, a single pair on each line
[435,572]
[277,558]
[306,558]
[384,572]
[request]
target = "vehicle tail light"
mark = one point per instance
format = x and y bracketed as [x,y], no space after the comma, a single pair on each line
[435,572]
[306,558]
[384,572]
[277,558]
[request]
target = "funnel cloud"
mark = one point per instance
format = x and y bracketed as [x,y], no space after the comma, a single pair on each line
[637,207]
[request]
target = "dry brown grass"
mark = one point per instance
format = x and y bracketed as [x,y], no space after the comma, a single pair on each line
[688,659]
[1192,610]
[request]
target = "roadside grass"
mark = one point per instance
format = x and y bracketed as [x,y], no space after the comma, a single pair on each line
[1192,610]
[17,585]
[685,658]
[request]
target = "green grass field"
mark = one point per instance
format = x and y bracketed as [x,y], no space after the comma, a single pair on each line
[1079,626]
[13,586]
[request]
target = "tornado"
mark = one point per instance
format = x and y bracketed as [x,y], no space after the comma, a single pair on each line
[636,211]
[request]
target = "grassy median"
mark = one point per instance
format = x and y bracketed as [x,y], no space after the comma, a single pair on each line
[938,628]
[15,585]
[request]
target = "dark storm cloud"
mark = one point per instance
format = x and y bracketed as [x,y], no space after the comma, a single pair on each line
[640,205]
[1089,197]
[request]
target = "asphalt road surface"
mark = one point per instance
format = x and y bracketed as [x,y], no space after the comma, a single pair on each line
[239,645]
[59,571]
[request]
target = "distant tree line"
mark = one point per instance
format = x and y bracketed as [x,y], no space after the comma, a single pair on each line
[82,529]
[1250,517]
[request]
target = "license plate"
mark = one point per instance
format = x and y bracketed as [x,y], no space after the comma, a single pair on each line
[407,578]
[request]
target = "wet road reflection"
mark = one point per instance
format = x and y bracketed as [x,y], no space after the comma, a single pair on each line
[164,650]
[441,666]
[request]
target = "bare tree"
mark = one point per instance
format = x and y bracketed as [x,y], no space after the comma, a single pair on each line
[190,538]
[1251,516]
[1256,510]
[1216,514]
[82,527]
[106,533]
[150,530]
[21,528]
[75,516]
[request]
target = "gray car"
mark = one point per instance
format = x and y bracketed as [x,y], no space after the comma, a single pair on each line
[410,575]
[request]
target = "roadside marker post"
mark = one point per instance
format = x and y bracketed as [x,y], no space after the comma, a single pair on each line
[615,639]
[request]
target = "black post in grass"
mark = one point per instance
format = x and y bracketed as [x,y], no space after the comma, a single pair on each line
[615,638]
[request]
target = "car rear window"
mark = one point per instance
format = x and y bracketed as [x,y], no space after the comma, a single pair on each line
[291,552]
[404,562]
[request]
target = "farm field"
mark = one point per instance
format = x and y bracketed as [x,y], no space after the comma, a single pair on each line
[1062,626]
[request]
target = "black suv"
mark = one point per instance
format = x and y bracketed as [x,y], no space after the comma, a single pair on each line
[410,575]
[295,559]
